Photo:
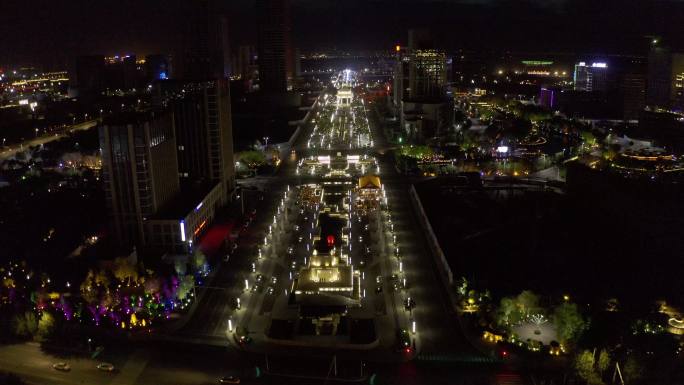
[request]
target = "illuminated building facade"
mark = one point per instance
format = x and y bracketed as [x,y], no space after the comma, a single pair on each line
[420,82]
[592,77]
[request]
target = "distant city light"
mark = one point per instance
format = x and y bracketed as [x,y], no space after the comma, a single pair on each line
[502,149]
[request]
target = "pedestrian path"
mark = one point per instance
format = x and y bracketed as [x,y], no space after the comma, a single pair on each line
[457,358]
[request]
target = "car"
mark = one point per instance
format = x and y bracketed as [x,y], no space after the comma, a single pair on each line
[229,380]
[378,289]
[290,250]
[294,265]
[256,288]
[105,367]
[270,290]
[61,366]
[378,279]
[274,280]
[404,341]
[259,278]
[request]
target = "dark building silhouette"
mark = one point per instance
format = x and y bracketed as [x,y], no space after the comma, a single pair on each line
[276,56]
[203,51]
[665,79]
[204,135]
[138,169]
[87,75]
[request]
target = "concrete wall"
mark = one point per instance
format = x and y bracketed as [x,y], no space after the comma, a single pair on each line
[433,243]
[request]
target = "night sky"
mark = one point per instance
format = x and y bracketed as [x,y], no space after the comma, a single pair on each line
[49,33]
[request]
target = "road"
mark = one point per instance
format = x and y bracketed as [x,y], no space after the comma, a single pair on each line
[9,151]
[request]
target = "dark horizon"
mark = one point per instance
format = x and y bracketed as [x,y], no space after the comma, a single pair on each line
[59,32]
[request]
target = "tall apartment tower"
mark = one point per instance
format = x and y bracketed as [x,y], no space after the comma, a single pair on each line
[276,58]
[203,51]
[427,68]
[204,134]
[420,80]
[665,79]
[592,77]
[139,170]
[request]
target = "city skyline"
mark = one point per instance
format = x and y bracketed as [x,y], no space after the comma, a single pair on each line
[566,26]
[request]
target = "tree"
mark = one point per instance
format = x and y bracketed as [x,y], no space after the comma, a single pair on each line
[251,159]
[603,361]
[125,271]
[180,267]
[25,325]
[508,311]
[584,366]
[87,289]
[45,326]
[527,301]
[199,260]
[186,284]
[568,320]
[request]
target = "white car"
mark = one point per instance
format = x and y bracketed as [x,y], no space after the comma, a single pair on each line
[105,367]
[62,367]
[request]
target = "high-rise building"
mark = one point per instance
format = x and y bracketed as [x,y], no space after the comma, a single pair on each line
[276,64]
[633,92]
[420,88]
[87,77]
[244,62]
[139,170]
[592,77]
[665,79]
[427,68]
[204,134]
[203,51]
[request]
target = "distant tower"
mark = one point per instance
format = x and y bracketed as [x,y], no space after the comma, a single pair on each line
[665,79]
[203,50]
[204,134]
[590,78]
[427,68]
[139,170]
[276,57]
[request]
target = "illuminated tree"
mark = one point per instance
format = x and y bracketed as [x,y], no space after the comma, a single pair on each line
[185,286]
[125,271]
[88,290]
[584,366]
[46,325]
[603,361]
[569,322]
[527,301]
[25,325]
[199,261]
